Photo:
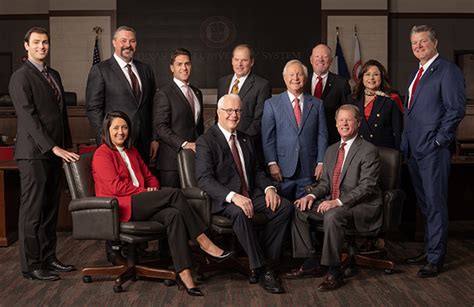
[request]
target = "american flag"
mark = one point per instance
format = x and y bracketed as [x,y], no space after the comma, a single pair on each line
[96,56]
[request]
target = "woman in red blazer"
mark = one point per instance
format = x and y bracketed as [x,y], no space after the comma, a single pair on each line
[120,172]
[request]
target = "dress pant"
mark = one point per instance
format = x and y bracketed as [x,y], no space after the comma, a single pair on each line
[40,191]
[268,243]
[169,207]
[429,176]
[293,188]
[335,222]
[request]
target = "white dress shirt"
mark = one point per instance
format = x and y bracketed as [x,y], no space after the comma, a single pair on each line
[123,66]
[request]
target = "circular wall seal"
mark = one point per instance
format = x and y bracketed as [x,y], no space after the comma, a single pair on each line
[217,32]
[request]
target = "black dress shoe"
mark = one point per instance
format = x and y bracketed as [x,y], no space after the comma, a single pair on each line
[331,283]
[42,275]
[190,291]
[420,259]
[223,257]
[271,283]
[300,273]
[430,270]
[57,266]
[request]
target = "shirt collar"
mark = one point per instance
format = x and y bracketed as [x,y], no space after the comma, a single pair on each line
[292,97]
[180,83]
[226,133]
[121,62]
[349,142]
[40,67]
[430,61]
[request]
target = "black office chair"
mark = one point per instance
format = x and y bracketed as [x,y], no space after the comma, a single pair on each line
[97,218]
[373,254]
[219,225]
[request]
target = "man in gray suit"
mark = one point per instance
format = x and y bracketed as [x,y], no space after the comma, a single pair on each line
[252,89]
[125,84]
[347,197]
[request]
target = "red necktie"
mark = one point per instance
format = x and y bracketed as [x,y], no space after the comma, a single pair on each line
[415,84]
[135,84]
[244,190]
[318,89]
[337,172]
[57,94]
[297,111]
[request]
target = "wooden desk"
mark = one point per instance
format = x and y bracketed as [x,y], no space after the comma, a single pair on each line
[9,202]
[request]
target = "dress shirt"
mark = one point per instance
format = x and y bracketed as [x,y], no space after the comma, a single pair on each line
[314,80]
[197,106]
[425,69]
[42,66]
[123,66]
[129,166]
[241,82]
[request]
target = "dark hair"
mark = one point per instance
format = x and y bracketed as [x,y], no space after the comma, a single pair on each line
[424,28]
[109,117]
[384,85]
[35,30]
[178,52]
[241,46]
[124,28]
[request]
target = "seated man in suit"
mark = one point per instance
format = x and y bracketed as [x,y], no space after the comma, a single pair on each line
[347,197]
[227,169]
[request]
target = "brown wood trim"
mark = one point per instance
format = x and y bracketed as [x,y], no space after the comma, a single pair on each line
[83,13]
[23,16]
[433,15]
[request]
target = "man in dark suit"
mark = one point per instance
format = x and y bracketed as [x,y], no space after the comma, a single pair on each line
[42,134]
[124,84]
[332,89]
[226,168]
[177,117]
[347,197]
[252,89]
[435,105]
[294,134]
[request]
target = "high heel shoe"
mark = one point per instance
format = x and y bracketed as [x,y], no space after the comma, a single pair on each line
[191,291]
[223,257]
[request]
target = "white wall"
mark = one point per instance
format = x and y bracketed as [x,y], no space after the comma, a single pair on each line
[23,7]
[353,4]
[68,5]
[431,6]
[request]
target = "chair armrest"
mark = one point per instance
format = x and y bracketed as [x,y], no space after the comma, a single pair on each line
[393,207]
[95,218]
[200,202]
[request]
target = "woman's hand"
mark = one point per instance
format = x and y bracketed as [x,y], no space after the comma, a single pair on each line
[150,189]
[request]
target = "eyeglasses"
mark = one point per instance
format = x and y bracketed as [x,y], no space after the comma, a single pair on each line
[231,111]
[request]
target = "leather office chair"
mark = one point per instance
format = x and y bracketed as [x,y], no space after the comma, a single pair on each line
[374,252]
[97,218]
[218,224]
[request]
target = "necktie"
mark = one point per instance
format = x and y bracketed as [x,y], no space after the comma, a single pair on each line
[244,190]
[318,89]
[297,111]
[189,97]
[337,172]
[57,94]
[235,87]
[415,84]
[135,84]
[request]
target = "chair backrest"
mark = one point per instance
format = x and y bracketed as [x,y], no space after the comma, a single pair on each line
[186,167]
[390,164]
[79,177]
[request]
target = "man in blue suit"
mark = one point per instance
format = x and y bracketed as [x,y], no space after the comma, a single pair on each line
[435,105]
[294,134]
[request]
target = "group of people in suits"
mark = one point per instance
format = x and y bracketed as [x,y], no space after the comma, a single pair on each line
[259,156]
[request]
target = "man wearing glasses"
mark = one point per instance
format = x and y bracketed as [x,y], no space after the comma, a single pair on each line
[227,169]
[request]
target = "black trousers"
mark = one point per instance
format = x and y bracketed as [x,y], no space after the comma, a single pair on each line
[40,191]
[169,178]
[269,242]
[169,207]
[335,222]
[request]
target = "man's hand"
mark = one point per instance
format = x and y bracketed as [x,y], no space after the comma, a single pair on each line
[151,189]
[318,171]
[190,145]
[304,203]
[67,156]
[154,149]
[275,172]
[327,205]
[244,203]
[272,199]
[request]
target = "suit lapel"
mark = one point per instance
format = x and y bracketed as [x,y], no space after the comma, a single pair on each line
[182,100]
[328,86]
[331,159]
[378,104]
[246,152]
[350,155]
[141,76]
[115,67]
[423,81]
[248,84]
[224,145]
[288,108]
[307,106]
[46,83]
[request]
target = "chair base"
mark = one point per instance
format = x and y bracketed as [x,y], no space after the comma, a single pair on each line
[374,259]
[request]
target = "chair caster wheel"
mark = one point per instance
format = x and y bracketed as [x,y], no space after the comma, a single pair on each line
[86,279]
[388,271]
[253,278]
[118,289]
[169,282]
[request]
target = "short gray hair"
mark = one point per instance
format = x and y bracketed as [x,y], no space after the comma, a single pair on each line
[291,62]
[124,28]
[424,28]
[350,107]
[220,103]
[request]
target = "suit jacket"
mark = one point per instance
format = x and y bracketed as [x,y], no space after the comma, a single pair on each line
[174,123]
[109,90]
[359,179]
[287,144]
[437,108]
[112,178]
[42,121]
[216,172]
[336,93]
[384,126]
[253,94]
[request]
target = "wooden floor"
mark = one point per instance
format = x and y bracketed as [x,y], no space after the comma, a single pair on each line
[454,287]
